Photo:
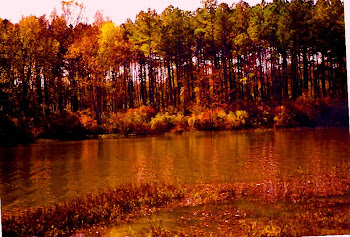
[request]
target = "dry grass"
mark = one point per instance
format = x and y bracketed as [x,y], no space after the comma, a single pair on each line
[309,207]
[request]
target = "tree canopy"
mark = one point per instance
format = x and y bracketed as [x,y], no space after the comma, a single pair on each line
[218,54]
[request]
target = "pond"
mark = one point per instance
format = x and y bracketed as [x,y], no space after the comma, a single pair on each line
[42,174]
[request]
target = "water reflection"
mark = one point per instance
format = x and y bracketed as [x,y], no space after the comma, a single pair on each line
[42,174]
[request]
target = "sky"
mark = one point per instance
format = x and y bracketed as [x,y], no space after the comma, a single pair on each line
[118,10]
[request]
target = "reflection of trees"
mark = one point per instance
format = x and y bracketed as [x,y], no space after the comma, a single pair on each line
[261,163]
[202,162]
[155,160]
[88,174]
[166,163]
[280,161]
[40,177]
[215,163]
[141,167]
[309,153]
[186,155]
[303,160]
[144,163]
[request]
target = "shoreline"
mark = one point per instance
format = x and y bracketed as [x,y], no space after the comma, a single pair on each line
[110,208]
[147,121]
[172,134]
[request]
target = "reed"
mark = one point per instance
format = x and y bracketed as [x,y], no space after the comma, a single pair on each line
[108,206]
[301,207]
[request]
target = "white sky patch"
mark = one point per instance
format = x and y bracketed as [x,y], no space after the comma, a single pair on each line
[118,11]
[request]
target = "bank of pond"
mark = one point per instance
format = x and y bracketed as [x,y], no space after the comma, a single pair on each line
[317,206]
[146,120]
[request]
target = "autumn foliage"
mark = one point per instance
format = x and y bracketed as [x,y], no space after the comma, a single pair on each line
[220,66]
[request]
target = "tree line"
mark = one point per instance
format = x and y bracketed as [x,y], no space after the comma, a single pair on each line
[216,55]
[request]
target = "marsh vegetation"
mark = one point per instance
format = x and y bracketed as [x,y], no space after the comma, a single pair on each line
[291,208]
[239,183]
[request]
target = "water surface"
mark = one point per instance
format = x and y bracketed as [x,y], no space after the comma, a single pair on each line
[46,173]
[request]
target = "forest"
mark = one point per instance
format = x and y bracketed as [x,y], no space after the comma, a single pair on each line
[278,64]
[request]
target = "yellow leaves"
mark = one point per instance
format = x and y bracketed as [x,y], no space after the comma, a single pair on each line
[29,25]
[99,50]
[236,119]
[218,119]
[221,113]
[112,46]
[108,32]
[244,80]
[255,29]
[241,39]
[29,29]
[35,41]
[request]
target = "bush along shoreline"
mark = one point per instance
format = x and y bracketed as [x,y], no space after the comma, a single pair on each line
[304,207]
[145,120]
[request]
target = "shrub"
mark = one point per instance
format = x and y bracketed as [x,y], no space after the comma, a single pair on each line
[202,121]
[284,117]
[69,125]
[143,113]
[260,115]
[133,121]
[127,123]
[110,123]
[218,119]
[308,111]
[14,131]
[88,123]
[162,123]
[237,119]
[180,122]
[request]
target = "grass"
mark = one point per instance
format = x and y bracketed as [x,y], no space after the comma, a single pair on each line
[109,206]
[320,205]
